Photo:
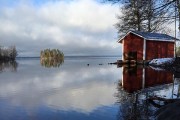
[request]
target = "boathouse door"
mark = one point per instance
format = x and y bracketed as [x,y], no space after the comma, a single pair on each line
[132,55]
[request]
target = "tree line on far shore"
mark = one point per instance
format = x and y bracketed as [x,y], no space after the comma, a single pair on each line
[8,53]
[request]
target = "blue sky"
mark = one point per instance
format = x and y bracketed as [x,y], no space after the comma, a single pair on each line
[77,27]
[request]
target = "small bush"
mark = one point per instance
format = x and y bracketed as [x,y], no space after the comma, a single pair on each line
[52,58]
[53,54]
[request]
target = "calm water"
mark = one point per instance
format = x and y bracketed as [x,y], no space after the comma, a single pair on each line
[77,91]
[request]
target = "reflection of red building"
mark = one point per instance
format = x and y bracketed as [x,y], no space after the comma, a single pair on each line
[134,79]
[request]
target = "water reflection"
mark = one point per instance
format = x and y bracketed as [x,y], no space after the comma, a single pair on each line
[73,92]
[137,78]
[51,62]
[8,66]
[78,91]
[138,86]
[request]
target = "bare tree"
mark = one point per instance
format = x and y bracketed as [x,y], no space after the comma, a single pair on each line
[131,18]
[143,15]
[9,53]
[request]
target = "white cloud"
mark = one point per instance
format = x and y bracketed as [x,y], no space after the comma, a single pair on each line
[76,27]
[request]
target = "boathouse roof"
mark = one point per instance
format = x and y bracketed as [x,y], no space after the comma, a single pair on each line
[151,36]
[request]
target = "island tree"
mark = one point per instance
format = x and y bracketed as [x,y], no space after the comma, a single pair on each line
[51,58]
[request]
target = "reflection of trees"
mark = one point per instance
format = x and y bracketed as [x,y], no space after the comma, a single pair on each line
[8,65]
[135,106]
[48,62]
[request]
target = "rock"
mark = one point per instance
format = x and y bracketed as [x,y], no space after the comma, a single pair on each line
[169,112]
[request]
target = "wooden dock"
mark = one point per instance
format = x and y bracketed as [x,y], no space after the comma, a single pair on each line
[132,63]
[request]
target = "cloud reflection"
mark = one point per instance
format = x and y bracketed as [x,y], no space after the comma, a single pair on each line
[78,88]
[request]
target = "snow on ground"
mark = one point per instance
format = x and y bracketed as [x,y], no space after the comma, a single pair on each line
[157,68]
[162,61]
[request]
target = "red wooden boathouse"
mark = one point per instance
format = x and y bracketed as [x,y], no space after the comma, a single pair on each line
[139,46]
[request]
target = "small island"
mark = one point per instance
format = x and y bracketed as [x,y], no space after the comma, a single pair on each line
[8,53]
[51,58]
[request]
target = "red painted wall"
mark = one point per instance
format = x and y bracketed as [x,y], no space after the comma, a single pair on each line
[154,49]
[159,49]
[133,43]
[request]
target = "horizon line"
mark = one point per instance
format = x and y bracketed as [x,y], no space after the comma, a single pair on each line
[74,56]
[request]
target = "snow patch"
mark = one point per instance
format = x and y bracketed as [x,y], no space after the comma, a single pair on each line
[157,68]
[162,61]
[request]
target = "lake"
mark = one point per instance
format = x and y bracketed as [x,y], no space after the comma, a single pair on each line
[82,88]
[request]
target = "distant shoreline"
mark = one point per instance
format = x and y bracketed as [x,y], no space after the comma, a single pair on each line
[73,56]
